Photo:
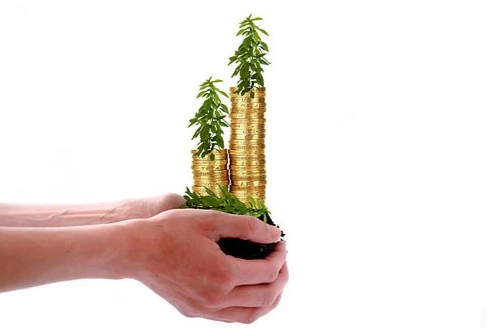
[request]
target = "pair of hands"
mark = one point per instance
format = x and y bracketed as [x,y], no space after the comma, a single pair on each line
[175,253]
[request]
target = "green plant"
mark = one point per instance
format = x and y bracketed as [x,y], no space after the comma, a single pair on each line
[250,56]
[227,203]
[210,118]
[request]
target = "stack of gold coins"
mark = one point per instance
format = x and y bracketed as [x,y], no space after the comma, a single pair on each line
[247,145]
[210,173]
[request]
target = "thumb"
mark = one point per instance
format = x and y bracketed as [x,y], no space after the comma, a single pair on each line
[244,227]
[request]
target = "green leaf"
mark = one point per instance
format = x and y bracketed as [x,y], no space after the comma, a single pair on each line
[262,31]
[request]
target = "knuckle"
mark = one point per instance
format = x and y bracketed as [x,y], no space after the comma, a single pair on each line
[212,298]
[272,275]
[223,278]
[188,313]
[268,300]
[249,319]
[252,225]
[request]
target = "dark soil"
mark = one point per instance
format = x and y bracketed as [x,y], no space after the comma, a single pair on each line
[246,249]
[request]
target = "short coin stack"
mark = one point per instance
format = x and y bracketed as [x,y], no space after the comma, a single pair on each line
[210,173]
[247,145]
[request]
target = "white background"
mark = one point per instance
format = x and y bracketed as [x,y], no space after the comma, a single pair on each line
[383,147]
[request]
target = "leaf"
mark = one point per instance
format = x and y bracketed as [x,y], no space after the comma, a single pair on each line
[222,93]
[244,71]
[262,31]
[256,18]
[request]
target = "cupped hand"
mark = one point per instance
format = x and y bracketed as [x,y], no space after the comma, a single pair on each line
[176,254]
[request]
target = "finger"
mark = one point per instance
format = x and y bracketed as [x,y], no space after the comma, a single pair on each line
[171,201]
[252,272]
[257,295]
[243,314]
[243,227]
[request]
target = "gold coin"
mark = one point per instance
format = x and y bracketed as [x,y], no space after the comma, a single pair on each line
[249,121]
[243,126]
[247,162]
[248,106]
[236,111]
[246,178]
[245,101]
[242,157]
[219,152]
[222,180]
[209,168]
[259,115]
[247,131]
[198,161]
[219,157]
[202,173]
[210,184]
[247,148]
[240,171]
[247,136]
[245,196]
[252,171]
[210,177]
[255,183]
[203,191]
[248,142]
[249,191]
[256,176]
[249,152]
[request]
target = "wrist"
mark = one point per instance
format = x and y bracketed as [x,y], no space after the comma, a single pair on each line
[130,248]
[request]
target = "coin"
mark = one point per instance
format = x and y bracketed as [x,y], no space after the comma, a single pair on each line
[248,163]
[248,152]
[247,170]
[209,168]
[249,177]
[246,176]
[248,107]
[248,126]
[246,156]
[259,115]
[220,152]
[248,142]
[234,136]
[247,100]
[222,180]
[202,190]
[249,191]
[255,183]
[206,175]
[218,157]
[196,161]
[249,121]
[211,183]
[247,131]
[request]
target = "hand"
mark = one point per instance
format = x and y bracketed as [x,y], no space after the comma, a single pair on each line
[177,256]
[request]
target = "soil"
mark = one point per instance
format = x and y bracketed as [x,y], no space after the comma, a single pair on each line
[246,249]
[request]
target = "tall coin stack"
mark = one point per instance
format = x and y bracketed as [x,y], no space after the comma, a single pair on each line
[247,145]
[210,173]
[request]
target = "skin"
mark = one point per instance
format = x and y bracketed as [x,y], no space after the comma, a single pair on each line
[171,251]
